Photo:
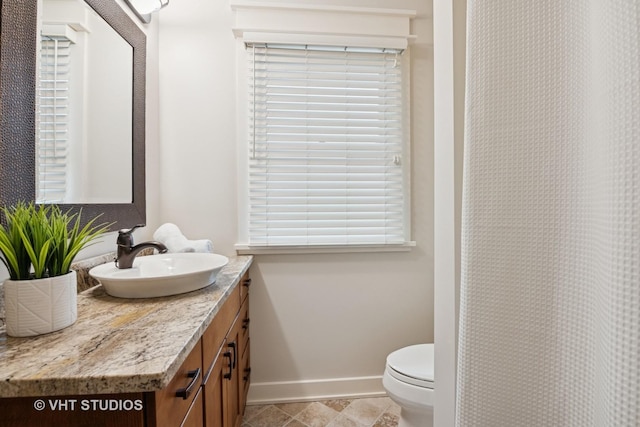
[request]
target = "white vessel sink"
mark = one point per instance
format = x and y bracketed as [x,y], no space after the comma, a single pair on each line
[160,275]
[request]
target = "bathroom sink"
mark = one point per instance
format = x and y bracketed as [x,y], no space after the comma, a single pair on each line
[160,275]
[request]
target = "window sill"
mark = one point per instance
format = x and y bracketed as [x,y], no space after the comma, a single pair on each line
[242,249]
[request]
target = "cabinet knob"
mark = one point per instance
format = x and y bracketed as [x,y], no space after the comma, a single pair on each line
[245,323]
[246,282]
[247,374]
[185,392]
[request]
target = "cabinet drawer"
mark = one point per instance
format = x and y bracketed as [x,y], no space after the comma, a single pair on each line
[217,330]
[173,401]
[245,283]
[244,320]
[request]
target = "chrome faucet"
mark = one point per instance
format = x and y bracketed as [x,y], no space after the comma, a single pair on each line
[127,251]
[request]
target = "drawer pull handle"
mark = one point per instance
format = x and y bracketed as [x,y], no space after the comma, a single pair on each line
[185,392]
[232,345]
[229,375]
[245,323]
[247,282]
[247,372]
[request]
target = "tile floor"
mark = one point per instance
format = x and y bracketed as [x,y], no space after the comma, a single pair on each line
[367,412]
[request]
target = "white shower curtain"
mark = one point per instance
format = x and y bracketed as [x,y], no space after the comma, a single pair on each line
[550,299]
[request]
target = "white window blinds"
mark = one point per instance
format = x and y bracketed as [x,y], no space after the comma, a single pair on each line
[326,145]
[51,156]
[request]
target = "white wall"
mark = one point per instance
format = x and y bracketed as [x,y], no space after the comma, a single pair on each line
[321,324]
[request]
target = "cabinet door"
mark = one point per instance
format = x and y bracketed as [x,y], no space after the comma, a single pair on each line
[233,417]
[214,389]
[194,416]
[245,373]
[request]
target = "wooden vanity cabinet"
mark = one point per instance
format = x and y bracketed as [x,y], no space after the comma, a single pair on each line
[244,371]
[209,389]
[218,396]
[224,384]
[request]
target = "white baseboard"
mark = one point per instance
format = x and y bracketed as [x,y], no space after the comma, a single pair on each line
[300,391]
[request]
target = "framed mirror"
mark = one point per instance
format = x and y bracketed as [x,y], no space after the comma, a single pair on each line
[20,129]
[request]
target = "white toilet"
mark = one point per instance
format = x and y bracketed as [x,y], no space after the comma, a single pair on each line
[408,380]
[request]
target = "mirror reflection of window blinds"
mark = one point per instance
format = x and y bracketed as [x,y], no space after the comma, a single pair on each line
[51,156]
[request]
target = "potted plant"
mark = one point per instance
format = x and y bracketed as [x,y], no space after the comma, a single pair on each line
[38,245]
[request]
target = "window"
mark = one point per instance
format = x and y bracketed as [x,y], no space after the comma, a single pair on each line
[327,140]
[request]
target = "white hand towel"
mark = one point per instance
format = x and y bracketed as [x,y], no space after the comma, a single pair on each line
[201,245]
[175,241]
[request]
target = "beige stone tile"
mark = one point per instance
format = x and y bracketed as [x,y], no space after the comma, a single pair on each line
[387,419]
[365,411]
[343,421]
[294,408]
[317,415]
[336,404]
[295,423]
[386,401]
[380,402]
[270,417]
[251,411]
[394,408]
[326,413]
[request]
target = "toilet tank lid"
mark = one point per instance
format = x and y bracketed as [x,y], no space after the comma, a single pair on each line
[415,361]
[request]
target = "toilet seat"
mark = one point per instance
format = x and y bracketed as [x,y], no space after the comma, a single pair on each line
[413,365]
[408,381]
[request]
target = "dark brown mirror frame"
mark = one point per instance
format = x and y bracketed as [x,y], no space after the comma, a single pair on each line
[18,54]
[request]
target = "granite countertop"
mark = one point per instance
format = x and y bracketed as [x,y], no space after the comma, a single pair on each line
[117,345]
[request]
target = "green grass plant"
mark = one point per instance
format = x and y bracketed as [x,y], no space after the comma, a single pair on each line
[39,241]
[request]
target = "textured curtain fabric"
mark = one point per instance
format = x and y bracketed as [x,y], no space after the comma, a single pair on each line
[550,299]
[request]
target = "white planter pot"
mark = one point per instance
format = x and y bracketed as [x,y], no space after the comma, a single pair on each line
[40,306]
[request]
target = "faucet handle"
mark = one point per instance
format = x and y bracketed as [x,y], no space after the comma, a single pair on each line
[125,231]
[125,237]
